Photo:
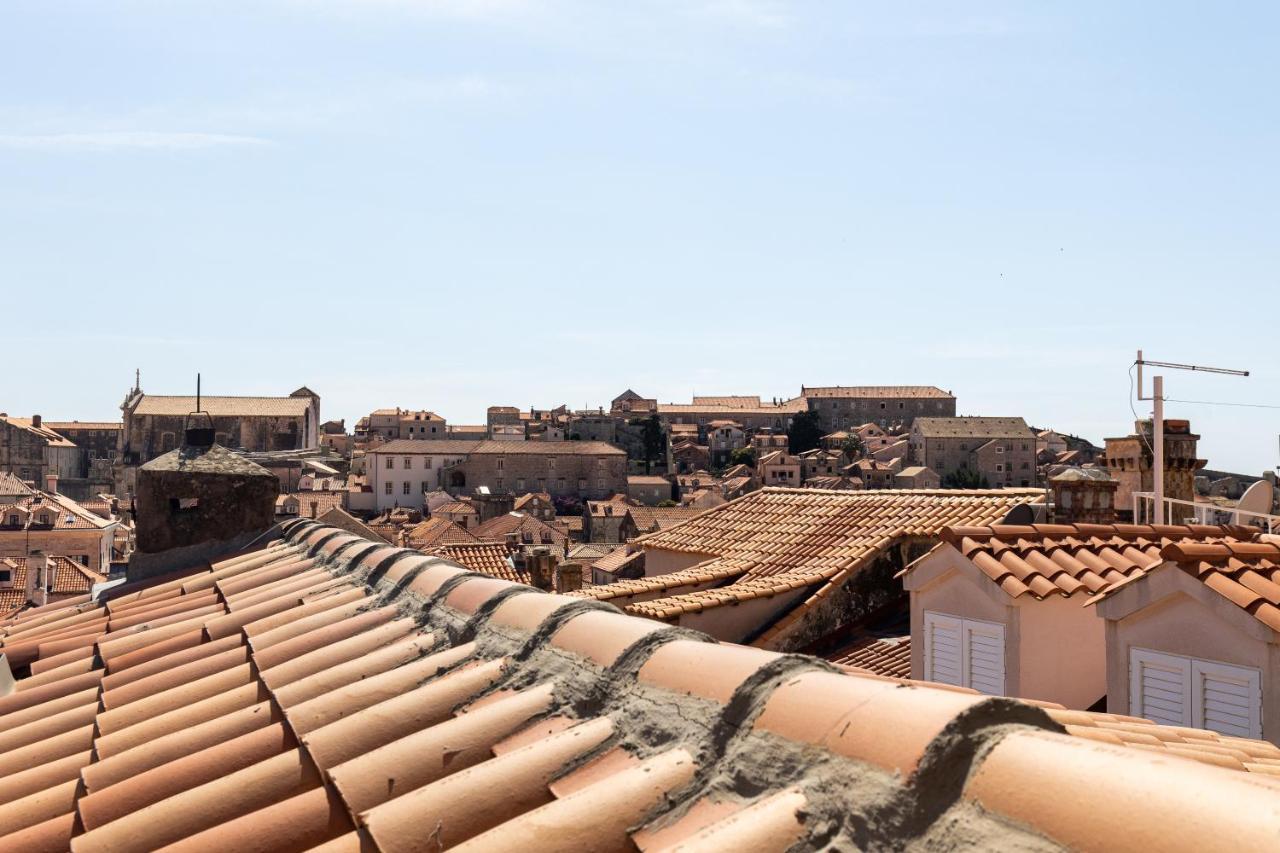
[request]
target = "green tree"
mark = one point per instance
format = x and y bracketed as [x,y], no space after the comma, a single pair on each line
[653,440]
[852,446]
[743,456]
[667,503]
[965,478]
[805,433]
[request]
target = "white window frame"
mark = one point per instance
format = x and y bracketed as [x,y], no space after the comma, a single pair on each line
[1192,674]
[965,630]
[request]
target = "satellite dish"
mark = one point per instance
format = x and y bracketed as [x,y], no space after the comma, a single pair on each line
[1256,498]
[1021,514]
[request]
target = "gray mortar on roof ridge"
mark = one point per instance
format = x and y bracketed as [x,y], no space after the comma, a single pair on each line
[850,804]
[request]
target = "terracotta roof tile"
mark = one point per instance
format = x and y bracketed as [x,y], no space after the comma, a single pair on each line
[335,711]
[1065,559]
[1242,569]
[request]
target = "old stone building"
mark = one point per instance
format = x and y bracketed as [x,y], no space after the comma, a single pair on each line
[1083,496]
[201,496]
[1128,461]
[52,524]
[400,472]
[391,424]
[887,406]
[97,444]
[153,425]
[1002,450]
[31,450]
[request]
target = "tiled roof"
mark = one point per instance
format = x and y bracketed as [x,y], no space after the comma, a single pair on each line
[69,578]
[647,480]
[1245,573]
[455,508]
[649,519]
[343,520]
[436,531]
[778,530]
[59,426]
[780,540]
[889,656]
[893,392]
[43,432]
[487,558]
[1065,559]
[837,484]
[331,692]
[532,497]
[972,427]
[614,560]
[734,401]
[787,408]
[704,573]
[224,407]
[468,447]
[497,529]
[591,551]
[65,513]
[324,502]
[11,485]
[572,523]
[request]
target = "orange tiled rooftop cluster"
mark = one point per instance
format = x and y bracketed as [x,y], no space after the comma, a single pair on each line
[336,694]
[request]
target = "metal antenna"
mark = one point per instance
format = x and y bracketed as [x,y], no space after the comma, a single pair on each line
[1157,421]
[198,391]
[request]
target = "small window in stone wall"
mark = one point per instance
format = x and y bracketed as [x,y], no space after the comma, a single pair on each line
[183,504]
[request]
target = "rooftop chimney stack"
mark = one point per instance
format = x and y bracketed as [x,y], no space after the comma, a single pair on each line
[38,579]
[51,483]
[35,421]
[568,577]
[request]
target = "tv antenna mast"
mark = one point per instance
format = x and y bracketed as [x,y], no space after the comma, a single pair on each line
[1157,420]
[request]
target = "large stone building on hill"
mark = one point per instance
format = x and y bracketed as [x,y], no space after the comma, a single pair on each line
[153,425]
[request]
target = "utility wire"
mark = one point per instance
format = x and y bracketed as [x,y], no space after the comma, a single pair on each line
[1220,403]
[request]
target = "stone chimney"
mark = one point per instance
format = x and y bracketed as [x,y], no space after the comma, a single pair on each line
[35,421]
[197,503]
[568,577]
[51,483]
[38,579]
[541,566]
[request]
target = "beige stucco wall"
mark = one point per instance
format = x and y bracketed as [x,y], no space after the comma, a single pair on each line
[659,561]
[1063,652]
[1055,649]
[937,585]
[735,623]
[1168,614]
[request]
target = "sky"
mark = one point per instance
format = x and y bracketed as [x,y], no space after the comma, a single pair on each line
[448,204]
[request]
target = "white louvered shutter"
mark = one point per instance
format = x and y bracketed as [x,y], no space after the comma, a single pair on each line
[984,656]
[943,652]
[1160,687]
[1226,699]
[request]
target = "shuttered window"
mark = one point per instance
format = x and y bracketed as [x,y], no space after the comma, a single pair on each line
[964,652]
[1183,691]
[1228,699]
[943,659]
[984,662]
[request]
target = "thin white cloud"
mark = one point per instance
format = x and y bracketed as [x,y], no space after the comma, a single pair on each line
[112,140]
[753,13]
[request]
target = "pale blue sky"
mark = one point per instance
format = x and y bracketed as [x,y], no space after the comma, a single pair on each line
[450,204]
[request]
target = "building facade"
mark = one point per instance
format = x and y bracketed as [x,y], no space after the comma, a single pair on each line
[887,406]
[1002,450]
[153,425]
[401,472]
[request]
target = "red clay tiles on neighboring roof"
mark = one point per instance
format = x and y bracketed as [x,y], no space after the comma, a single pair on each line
[1065,559]
[1246,573]
[329,693]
